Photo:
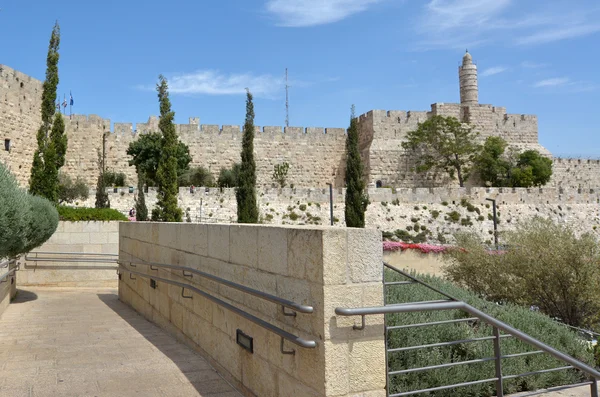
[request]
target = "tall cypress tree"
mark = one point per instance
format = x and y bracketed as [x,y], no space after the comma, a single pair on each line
[356,198]
[141,211]
[102,200]
[166,209]
[245,194]
[40,183]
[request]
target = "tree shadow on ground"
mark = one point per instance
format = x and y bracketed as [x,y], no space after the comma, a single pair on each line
[24,296]
[192,365]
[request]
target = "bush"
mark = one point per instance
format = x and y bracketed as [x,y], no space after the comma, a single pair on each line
[302,207]
[403,234]
[533,323]
[26,221]
[545,265]
[435,214]
[294,216]
[69,191]
[229,177]
[89,214]
[196,176]
[115,179]
[454,216]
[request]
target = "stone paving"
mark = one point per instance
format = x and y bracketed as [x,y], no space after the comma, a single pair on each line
[85,342]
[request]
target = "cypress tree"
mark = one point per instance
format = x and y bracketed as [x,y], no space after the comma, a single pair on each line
[245,194]
[166,176]
[141,211]
[356,198]
[102,200]
[40,183]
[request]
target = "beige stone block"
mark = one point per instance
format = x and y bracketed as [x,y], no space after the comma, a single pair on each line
[191,325]
[244,245]
[169,234]
[258,375]
[73,227]
[305,254]
[114,226]
[194,238]
[291,387]
[98,237]
[203,308]
[110,248]
[366,362]
[340,327]
[92,227]
[335,255]
[218,242]
[310,366]
[365,255]
[113,237]
[164,303]
[272,250]
[91,248]
[336,369]
[177,315]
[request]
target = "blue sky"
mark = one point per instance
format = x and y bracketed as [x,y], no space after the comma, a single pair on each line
[534,57]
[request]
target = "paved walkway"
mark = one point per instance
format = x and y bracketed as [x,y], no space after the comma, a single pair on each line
[84,342]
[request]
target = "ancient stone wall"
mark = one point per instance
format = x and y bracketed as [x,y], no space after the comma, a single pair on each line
[383,132]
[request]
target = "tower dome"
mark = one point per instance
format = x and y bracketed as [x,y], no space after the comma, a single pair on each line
[467,75]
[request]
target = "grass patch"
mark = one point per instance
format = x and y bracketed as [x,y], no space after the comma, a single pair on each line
[72,214]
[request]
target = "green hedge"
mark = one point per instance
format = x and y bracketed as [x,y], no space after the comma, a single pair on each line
[26,221]
[89,214]
[532,323]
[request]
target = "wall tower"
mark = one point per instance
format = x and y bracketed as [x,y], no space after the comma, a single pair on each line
[467,75]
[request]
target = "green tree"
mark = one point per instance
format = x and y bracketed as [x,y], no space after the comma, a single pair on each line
[444,144]
[229,177]
[146,152]
[49,155]
[545,264]
[102,200]
[197,176]
[245,194]
[356,198]
[166,209]
[491,164]
[532,169]
[141,211]
[280,172]
[69,191]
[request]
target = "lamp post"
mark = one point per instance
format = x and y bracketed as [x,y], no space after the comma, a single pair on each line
[495,222]
[330,203]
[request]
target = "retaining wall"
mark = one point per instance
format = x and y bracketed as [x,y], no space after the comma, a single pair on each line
[322,267]
[85,237]
[8,289]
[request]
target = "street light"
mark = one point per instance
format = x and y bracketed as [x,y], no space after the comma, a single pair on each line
[495,222]
[330,202]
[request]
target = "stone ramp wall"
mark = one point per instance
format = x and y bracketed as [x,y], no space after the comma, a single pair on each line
[8,289]
[85,237]
[322,267]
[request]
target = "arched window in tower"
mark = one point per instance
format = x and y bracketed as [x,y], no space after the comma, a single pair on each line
[378,184]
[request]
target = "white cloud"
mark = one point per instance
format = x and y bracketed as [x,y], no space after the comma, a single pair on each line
[556,34]
[300,13]
[554,82]
[213,82]
[469,23]
[493,71]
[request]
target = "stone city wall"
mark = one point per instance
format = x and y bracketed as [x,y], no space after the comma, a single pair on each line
[85,237]
[322,267]
[316,155]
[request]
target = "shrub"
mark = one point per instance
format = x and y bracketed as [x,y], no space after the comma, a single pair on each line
[229,177]
[414,220]
[384,203]
[464,202]
[26,221]
[533,323]
[280,172]
[403,235]
[294,216]
[387,235]
[454,216]
[269,217]
[69,191]
[396,202]
[196,176]
[545,265]
[480,218]
[302,207]
[417,208]
[409,228]
[466,221]
[435,214]
[89,214]
[116,179]
[444,203]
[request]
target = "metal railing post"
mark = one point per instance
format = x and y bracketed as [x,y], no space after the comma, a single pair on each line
[594,388]
[498,362]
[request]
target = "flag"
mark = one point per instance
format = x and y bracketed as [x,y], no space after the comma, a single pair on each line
[71,101]
[64,101]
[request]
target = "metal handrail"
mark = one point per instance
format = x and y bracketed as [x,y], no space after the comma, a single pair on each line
[10,271]
[309,344]
[260,294]
[454,304]
[71,257]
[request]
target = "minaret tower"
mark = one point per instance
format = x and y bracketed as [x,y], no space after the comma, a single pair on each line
[467,75]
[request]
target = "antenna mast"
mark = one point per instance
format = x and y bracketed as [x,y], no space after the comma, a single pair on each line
[287,101]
